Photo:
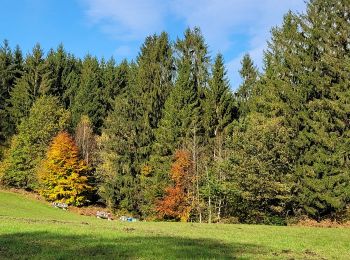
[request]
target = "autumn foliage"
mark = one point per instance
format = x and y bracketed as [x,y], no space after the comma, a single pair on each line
[63,176]
[177,203]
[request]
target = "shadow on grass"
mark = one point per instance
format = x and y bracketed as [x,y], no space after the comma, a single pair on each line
[45,245]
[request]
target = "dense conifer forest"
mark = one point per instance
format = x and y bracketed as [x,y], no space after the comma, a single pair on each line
[167,137]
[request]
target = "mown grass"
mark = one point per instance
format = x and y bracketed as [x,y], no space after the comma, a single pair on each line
[31,229]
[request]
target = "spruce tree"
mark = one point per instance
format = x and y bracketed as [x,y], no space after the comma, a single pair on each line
[35,81]
[9,71]
[181,126]
[321,175]
[88,98]
[220,112]
[249,74]
[109,83]
[263,154]
[70,80]
[130,125]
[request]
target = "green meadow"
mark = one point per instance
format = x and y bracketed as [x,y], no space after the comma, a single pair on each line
[32,229]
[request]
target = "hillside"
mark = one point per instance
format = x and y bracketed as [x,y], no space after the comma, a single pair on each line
[31,229]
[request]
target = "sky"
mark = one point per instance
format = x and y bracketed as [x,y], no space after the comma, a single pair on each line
[117,28]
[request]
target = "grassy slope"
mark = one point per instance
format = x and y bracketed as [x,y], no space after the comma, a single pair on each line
[33,229]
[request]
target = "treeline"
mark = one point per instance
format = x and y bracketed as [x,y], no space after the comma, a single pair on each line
[164,136]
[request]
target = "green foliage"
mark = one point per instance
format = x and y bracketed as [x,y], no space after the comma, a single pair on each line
[181,115]
[262,164]
[46,118]
[128,135]
[220,105]
[35,81]
[220,112]
[278,147]
[10,70]
[88,97]
[249,74]
[314,103]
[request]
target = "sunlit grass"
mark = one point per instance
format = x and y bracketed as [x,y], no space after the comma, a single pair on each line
[33,229]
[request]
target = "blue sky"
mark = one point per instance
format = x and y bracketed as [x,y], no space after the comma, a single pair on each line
[118,27]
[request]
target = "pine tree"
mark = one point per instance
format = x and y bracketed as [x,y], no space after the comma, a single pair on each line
[7,77]
[304,88]
[109,83]
[61,65]
[116,170]
[6,74]
[263,154]
[70,79]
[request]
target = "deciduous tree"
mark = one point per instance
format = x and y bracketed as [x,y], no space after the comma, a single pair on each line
[63,176]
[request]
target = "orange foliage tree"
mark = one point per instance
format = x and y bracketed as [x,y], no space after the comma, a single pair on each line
[178,201]
[64,176]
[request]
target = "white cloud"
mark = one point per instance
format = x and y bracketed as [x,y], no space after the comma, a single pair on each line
[126,20]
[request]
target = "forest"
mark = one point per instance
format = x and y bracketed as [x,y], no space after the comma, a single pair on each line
[166,137]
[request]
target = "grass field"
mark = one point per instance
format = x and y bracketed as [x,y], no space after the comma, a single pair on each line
[31,229]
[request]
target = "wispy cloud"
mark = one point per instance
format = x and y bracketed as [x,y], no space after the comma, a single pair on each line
[232,27]
[126,20]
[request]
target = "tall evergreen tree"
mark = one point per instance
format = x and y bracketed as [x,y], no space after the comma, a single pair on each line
[182,127]
[322,176]
[109,83]
[135,116]
[70,80]
[88,97]
[10,69]
[34,82]
[64,69]
[249,74]
[263,154]
[220,111]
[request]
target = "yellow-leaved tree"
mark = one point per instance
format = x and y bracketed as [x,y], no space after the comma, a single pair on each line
[63,176]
